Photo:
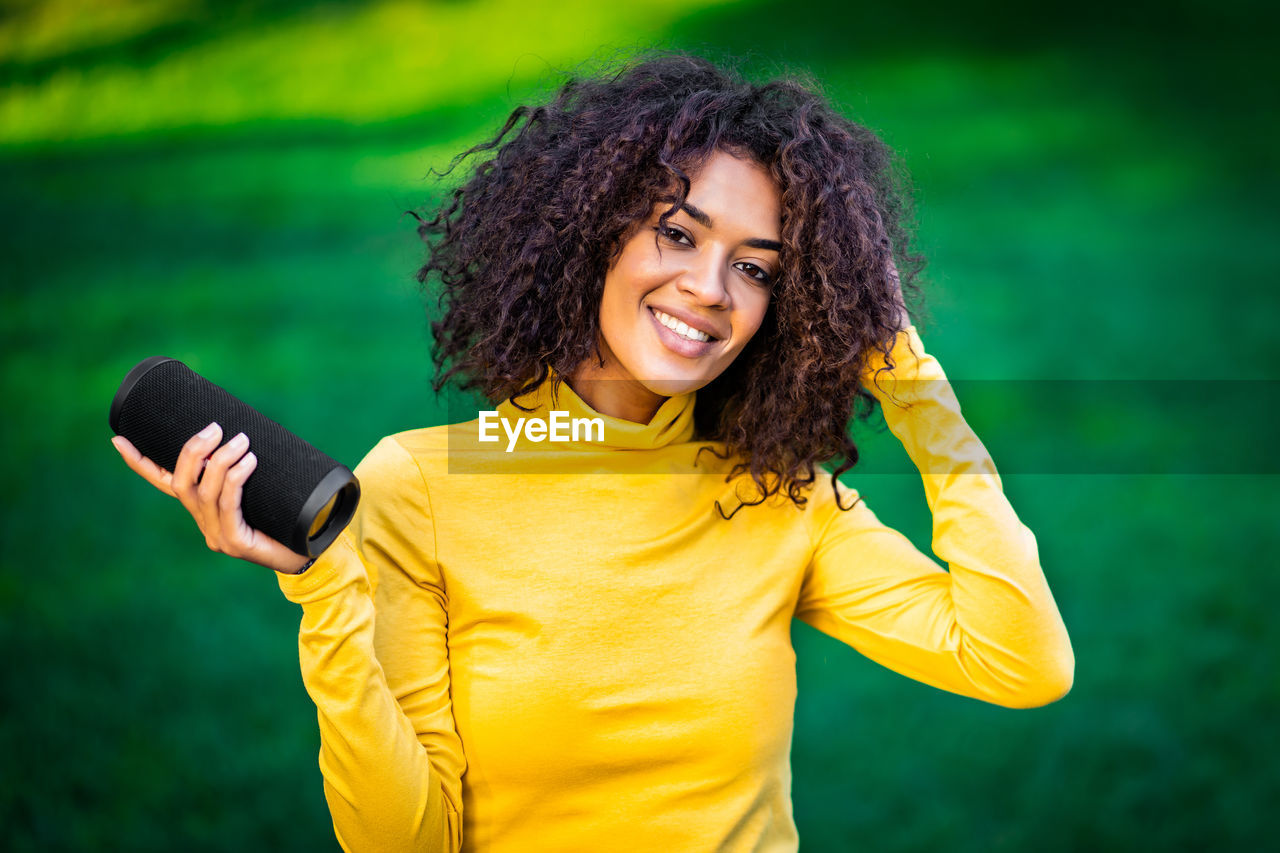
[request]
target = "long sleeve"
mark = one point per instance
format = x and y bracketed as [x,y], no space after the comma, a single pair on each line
[372,646]
[988,628]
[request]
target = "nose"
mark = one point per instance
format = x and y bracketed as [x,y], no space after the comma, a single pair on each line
[704,280]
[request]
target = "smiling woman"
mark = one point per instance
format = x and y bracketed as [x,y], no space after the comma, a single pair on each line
[577,181]
[544,658]
[672,319]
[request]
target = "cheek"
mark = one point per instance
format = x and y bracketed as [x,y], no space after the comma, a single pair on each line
[632,276]
[624,288]
[642,273]
[753,314]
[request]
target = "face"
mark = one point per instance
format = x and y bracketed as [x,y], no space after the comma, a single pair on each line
[676,312]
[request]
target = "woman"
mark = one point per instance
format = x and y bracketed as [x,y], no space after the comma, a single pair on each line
[586,645]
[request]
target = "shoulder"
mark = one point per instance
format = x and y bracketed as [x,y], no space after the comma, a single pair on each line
[420,444]
[393,477]
[826,500]
[403,462]
[833,505]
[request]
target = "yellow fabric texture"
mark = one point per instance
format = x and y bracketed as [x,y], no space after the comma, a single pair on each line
[567,648]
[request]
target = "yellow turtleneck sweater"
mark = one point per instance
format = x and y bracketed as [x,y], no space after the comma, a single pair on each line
[567,648]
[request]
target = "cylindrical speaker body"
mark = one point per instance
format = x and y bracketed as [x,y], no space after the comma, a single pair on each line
[296,495]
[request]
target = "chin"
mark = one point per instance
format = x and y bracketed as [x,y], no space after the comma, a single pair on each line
[673,387]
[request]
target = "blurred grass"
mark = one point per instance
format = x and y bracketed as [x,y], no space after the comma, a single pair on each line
[215,64]
[225,183]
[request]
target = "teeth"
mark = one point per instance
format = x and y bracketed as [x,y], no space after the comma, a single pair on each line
[680,328]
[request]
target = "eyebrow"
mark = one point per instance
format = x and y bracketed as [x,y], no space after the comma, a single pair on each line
[702,219]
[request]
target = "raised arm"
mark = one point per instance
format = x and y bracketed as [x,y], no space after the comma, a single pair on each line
[989,628]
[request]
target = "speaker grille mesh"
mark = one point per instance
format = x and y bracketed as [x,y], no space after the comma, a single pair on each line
[170,403]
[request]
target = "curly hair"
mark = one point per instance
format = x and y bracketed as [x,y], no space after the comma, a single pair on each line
[521,249]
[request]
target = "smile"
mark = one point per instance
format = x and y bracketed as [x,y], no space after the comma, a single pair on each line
[680,328]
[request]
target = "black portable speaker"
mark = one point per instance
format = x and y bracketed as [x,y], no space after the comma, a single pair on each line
[297,495]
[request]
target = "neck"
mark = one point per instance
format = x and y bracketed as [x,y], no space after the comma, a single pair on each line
[625,399]
[630,423]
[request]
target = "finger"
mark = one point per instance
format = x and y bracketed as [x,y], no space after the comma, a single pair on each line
[235,531]
[211,481]
[250,544]
[142,466]
[190,464]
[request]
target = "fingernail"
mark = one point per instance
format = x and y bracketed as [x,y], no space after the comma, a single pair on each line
[249,460]
[210,431]
[115,442]
[241,440]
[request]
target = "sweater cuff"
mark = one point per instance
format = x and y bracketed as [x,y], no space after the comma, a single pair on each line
[914,373]
[921,409]
[333,570]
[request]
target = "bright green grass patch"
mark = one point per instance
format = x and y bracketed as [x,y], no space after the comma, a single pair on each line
[345,62]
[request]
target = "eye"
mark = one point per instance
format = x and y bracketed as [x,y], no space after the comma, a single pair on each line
[755,272]
[674,235]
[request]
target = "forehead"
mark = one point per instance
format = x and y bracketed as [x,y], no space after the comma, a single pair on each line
[738,195]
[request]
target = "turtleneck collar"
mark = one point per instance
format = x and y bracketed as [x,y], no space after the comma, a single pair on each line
[671,424]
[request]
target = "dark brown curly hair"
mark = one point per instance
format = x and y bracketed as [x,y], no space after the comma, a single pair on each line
[521,249]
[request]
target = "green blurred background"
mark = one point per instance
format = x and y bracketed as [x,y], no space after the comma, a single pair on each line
[224,182]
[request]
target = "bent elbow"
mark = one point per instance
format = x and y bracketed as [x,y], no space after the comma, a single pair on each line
[1042,694]
[1048,683]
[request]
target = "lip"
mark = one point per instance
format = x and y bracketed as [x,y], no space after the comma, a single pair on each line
[692,321]
[677,344]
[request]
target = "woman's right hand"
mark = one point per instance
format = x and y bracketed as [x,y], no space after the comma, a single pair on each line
[209,481]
